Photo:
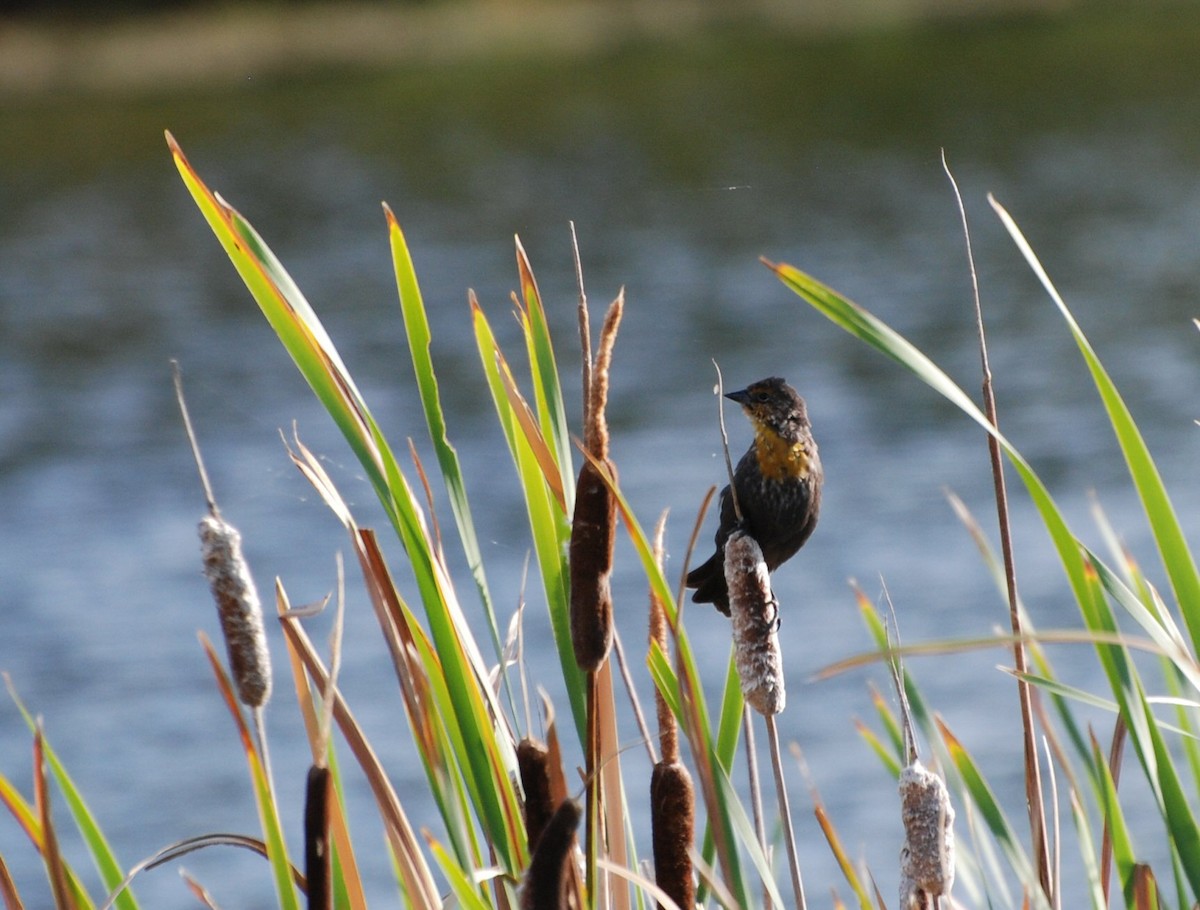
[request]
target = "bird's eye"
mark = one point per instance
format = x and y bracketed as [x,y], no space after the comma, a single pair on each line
[762,397]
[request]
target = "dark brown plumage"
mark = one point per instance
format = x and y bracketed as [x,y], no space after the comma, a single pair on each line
[778,484]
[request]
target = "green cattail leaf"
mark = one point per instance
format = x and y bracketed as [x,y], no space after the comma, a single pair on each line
[301,333]
[993,817]
[105,861]
[466,891]
[1123,851]
[416,326]
[543,367]
[548,522]
[1168,534]
[264,797]
[291,316]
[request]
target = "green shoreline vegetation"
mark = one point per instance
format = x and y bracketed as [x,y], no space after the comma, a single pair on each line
[213,45]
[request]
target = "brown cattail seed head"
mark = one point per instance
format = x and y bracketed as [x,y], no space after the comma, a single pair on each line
[317,856]
[593,531]
[755,615]
[673,822]
[544,879]
[927,857]
[533,760]
[238,608]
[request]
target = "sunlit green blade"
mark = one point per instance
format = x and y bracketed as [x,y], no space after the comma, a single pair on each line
[993,816]
[452,776]
[416,326]
[291,317]
[1088,853]
[268,812]
[849,873]
[106,863]
[1172,546]
[1123,852]
[544,371]
[882,751]
[548,522]
[729,726]
[1170,645]
[1145,734]
[863,325]
[466,892]
[302,334]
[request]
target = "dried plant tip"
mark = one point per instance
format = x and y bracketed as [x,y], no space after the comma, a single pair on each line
[545,881]
[316,839]
[596,429]
[755,615]
[927,857]
[593,531]
[668,731]
[238,608]
[673,822]
[533,758]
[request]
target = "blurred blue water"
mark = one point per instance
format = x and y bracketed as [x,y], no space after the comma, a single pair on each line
[680,166]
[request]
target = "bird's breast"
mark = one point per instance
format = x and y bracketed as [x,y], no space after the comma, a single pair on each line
[781,459]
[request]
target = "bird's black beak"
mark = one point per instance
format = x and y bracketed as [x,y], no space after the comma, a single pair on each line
[742,396]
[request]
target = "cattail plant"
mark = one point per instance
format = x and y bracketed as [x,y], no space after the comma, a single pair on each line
[755,614]
[546,883]
[232,585]
[927,855]
[533,759]
[672,794]
[590,552]
[594,526]
[318,790]
[238,608]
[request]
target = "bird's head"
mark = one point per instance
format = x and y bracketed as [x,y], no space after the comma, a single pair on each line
[773,405]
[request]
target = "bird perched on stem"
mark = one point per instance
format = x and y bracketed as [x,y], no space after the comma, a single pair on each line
[777,482]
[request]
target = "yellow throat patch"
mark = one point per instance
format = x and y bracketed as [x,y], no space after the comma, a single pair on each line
[779,459]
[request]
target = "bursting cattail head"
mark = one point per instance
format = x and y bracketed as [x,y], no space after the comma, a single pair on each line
[927,857]
[238,608]
[755,614]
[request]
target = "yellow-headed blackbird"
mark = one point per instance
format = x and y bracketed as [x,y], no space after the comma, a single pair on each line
[778,484]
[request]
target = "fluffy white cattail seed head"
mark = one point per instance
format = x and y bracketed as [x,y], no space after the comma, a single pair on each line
[927,857]
[239,609]
[755,615]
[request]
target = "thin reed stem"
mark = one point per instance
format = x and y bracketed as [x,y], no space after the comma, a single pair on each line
[1033,780]
[760,827]
[785,812]
[639,717]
